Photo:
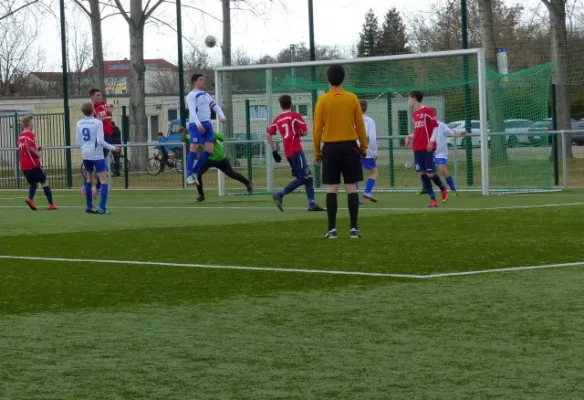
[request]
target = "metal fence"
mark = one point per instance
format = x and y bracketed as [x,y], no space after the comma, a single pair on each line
[527,164]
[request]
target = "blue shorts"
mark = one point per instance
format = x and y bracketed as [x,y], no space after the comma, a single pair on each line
[441,161]
[424,161]
[299,165]
[35,176]
[97,165]
[369,163]
[198,137]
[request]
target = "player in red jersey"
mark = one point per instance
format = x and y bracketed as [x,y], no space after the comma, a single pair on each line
[103,112]
[292,126]
[424,125]
[30,163]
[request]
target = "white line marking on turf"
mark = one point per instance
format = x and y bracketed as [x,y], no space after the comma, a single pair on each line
[299,270]
[262,208]
[207,266]
[508,269]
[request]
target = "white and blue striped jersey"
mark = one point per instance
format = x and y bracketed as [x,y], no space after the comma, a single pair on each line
[440,136]
[200,104]
[90,138]
[371,133]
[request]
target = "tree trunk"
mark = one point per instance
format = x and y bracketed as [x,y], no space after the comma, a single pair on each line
[557,12]
[138,120]
[226,77]
[497,142]
[98,63]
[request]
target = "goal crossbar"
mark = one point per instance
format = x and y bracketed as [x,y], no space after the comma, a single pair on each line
[397,57]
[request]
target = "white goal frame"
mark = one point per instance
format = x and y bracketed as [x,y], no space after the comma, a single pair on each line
[481,78]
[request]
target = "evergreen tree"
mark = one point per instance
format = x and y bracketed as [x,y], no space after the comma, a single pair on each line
[393,38]
[369,36]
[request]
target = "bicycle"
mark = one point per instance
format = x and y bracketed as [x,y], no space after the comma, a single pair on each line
[155,165]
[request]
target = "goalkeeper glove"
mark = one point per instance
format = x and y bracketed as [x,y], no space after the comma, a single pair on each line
[277,157]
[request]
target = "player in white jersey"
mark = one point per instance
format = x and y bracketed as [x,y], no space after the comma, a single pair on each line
[440,137]
[370,161]
[90,138]
[200,104]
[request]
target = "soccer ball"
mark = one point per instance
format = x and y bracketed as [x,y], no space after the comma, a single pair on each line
[210,41]
[407,165]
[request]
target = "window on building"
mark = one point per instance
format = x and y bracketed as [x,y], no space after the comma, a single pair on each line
[117,67]
[172,114]
[303,109]
[258,112]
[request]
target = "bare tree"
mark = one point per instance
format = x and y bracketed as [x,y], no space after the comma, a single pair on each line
[8,8]
[522,31]
[559,33]
[240,57]
[78,56]
[136,18]
[16,40]
[498,150]
[94,9]
[302,53]
[165,82]
[227,78]
[196,60]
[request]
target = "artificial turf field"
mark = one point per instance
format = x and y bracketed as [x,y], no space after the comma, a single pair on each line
[184,320]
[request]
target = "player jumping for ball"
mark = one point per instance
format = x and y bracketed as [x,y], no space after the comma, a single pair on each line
[424,125]
[292,126]
[440,137]
[30,163]
[90,138]
[200,104]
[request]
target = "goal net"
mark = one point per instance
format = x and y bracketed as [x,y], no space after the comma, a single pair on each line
[505,151]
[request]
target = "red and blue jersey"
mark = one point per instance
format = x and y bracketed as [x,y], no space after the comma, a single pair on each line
[28,160]
[424,124]
[291,126]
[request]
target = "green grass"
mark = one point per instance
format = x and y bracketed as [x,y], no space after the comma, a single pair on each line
[118,331]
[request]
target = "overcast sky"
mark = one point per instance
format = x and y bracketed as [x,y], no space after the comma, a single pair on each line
[337,23]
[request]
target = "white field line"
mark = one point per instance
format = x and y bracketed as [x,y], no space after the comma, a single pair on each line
[207,266]
[262,208]
[340,208]
[297,270]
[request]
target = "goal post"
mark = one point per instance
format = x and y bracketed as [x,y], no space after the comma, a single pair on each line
[458,83]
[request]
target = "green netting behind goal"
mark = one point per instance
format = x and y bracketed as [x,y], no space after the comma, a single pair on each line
[519,152]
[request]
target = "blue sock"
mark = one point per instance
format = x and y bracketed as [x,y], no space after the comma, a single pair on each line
[48,194]
[103,197]
[191,160]
[200,162]
[450,182]
[427,184]
[88,198]
[369,185]
[436,179]
[31,191]
[292,186]
[310,191]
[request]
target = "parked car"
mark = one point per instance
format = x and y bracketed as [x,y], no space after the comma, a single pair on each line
[460,126]
[547,125]
[241,150]
[578,138]
[520,128]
